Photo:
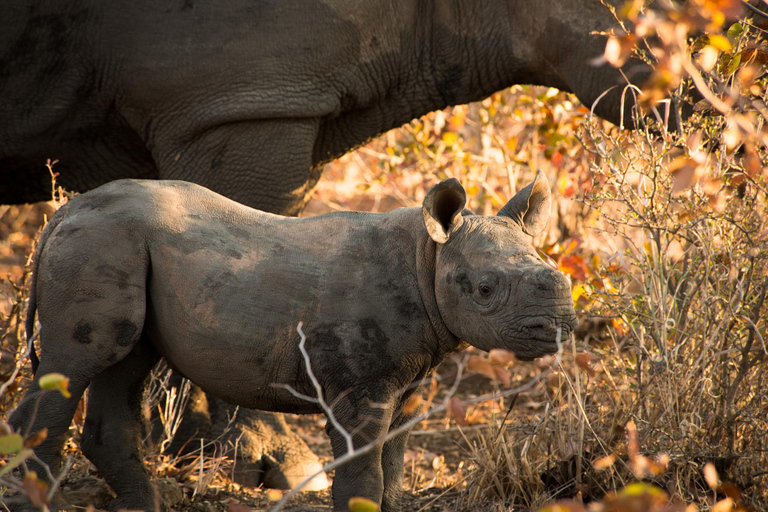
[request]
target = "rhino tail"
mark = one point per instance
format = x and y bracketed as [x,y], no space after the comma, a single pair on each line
[29,325]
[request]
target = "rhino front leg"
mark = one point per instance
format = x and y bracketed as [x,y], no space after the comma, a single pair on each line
[392,457]
[363,476]
[112,432]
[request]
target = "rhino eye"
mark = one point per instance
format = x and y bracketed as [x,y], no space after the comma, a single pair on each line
[485,290]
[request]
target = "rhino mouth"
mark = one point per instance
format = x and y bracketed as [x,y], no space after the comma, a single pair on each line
[532,345]
[528,350]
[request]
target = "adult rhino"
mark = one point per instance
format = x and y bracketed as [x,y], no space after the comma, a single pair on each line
[250,98]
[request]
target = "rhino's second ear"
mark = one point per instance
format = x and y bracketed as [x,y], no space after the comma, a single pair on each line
[531,206]
[442,209]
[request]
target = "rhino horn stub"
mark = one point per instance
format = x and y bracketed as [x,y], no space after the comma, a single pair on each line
[531,206]
[442,209]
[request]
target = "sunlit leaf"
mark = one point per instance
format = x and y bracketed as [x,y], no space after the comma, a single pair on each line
[482,366]
[359,504]
[456,409]
[11,443]
[604,462]
[642,488]
[726,505]
[36,438]
[413,404]
[501,357]
[564,506]
[711,476]
[56,381]
[582,360]
[720,42]
[503,375]
[36,490]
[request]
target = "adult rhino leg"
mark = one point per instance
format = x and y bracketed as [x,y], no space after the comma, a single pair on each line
[268,452]
[112,432]
[265,164]
[282,458]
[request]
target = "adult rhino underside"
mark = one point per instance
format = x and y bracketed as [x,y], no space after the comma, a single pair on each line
[250,98]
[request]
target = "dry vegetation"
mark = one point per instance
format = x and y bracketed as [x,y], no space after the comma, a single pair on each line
[660,402]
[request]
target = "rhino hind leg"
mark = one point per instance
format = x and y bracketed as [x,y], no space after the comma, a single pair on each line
[49,409]
[113,429]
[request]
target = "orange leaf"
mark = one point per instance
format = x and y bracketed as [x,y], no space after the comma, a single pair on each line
[482,366]
[582,361]
[456,409]
[574,266]
[414,403]
[710,475]
[501,357]
[503,375]
[36,438]
[604,462]
[36,490]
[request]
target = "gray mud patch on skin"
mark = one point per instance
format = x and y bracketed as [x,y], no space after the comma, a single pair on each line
[126,332]
[82,332]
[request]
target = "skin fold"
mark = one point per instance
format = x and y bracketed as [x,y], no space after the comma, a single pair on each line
[139,270]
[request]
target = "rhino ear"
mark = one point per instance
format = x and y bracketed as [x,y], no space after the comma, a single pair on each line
[531,206]
[442,209]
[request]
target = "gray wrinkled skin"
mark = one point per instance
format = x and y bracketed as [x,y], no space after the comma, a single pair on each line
[250,98]
[139,270]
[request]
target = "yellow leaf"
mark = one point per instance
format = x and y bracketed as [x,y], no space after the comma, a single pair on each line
[359,504]
[720,42]
[643,489]
[578,291]
[11,444]
[450,138]
[55,381]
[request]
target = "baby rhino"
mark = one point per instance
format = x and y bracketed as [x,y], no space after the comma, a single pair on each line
[139,270]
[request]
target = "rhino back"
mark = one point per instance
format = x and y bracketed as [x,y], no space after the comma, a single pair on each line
[226,286]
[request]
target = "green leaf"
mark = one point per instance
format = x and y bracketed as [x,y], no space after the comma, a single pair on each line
[11,443]
[358,504]
[735,30]
[55,381]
